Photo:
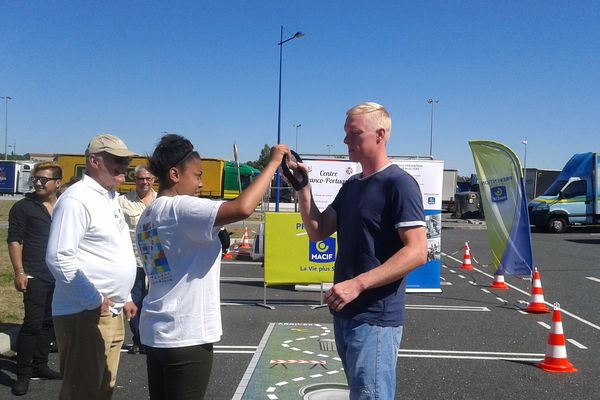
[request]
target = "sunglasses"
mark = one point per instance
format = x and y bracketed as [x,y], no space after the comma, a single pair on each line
[42,179]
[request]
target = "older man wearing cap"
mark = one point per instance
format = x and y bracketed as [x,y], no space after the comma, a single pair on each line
[90,255]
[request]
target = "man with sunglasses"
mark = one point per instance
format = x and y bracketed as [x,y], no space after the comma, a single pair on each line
[133,205]
[90,255]
[28,228]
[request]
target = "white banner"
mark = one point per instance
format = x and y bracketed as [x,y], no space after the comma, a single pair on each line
[429,175]
[326,178]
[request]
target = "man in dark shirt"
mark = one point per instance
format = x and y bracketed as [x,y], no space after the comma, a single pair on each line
[28,229]
[378,215]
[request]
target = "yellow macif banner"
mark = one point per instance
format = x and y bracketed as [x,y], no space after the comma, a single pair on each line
[290,257]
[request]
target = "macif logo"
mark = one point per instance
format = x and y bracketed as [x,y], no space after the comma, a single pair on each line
[499,193]
[322,252]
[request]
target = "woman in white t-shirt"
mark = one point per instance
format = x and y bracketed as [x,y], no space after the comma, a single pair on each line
[179,245]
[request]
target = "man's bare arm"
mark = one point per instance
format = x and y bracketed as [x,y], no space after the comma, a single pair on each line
[409,257]
[15,252]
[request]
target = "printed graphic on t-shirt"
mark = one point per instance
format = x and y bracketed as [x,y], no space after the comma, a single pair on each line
[156,264]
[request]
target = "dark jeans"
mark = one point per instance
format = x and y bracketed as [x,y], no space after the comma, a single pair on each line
[179,373]
[138,292]
[37,331]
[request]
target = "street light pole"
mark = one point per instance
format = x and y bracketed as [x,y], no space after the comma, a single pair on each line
[6,98]
[525,158]
[296,126]
[432,102]
[525,172]
[329,146]
[277,176]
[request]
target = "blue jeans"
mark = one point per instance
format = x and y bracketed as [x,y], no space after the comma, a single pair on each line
[369,354]
[138,292]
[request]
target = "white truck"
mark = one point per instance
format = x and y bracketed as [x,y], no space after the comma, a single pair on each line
[449,181]
[573,198]
[15,177]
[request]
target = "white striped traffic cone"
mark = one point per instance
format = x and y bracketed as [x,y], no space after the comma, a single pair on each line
[467,258]
[498,283]
[556,351]
[536,303]
[245,244]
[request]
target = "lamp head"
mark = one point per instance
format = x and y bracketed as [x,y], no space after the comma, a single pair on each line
[298,35]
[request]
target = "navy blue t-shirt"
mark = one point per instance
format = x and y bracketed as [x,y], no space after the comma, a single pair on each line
[369,212]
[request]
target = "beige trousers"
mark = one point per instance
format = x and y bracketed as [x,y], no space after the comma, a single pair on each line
[90,347]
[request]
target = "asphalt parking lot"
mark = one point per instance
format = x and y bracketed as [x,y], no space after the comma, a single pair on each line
[468,342]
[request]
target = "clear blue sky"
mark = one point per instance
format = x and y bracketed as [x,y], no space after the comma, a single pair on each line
[502,70]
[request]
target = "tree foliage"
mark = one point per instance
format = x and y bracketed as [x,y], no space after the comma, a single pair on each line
[263,159]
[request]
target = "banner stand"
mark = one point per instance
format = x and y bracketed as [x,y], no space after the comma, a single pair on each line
[321,304]
[264,304]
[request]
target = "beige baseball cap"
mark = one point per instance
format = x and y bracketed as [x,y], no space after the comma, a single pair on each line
[109,144]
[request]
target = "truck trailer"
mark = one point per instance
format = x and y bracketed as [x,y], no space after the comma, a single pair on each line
[449,186]
[537,180]
[219,177]
[572,199]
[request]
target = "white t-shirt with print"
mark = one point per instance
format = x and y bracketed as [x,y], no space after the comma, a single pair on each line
[180,248]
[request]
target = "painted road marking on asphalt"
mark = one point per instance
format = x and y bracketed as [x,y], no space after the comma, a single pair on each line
[281,387]
[453,271]
[235,349]
[418,353]
[470,355]
[461,276]
[563,311]
[591,278]
[240,262]
[576,343]
[545,325]
[239,392]
[485,291]
[444,308]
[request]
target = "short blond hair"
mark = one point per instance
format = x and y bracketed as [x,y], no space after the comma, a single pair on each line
[57,171]
[379,117]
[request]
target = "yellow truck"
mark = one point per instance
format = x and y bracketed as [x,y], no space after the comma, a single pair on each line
[219,177]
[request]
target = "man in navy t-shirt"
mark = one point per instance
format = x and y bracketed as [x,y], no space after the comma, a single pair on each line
[380,224]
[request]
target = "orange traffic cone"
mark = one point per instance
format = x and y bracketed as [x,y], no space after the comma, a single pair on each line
[245,244]
[498,283]
[556,351]
[536,305]
[227,256]
[467,258]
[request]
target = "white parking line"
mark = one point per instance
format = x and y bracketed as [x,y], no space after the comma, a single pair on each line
[545,325]
[470,355]
[562,310]
[444,308]
[591,278]
[576,343]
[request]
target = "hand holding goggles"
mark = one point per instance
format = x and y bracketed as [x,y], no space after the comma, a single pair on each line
[289,175]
